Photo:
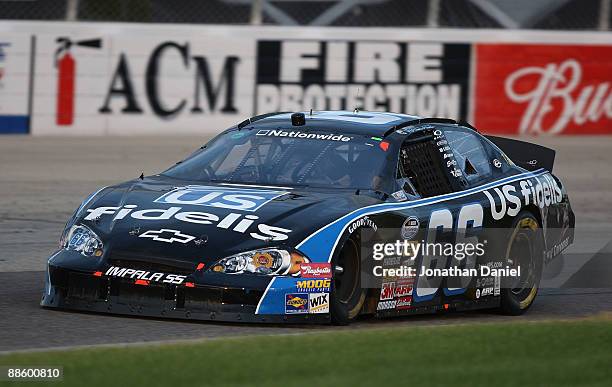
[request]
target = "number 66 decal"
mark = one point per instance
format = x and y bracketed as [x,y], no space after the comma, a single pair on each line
[441,222]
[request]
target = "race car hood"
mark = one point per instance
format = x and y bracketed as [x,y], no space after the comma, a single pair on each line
[191,222]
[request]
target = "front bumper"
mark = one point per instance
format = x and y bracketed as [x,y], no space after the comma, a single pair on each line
[203,296]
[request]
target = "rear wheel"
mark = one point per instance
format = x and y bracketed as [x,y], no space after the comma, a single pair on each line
[347,296]
[525,250]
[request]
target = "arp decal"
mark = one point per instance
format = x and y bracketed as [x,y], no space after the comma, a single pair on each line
[239,199]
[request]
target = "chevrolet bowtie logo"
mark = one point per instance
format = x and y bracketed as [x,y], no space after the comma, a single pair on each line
[167,235]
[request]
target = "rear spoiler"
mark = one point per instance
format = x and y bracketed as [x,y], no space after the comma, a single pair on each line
[524,154]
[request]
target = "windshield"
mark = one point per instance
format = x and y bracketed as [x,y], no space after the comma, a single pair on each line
[288,157]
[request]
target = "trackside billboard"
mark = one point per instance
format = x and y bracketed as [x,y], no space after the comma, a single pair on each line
[133,79]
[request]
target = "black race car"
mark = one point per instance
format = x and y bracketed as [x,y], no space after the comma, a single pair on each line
[282,218]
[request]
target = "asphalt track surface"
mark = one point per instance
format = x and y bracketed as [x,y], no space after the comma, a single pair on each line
[42,181]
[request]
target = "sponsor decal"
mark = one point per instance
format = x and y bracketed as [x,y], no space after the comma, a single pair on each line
[486,281]
[556,250]
[486,292]
[391,261]
[296,303]
[410,227]
[403,287]
[318,303]
[387,291]
[144,275]
[497,286]
[497,163]
[428,79]
[314,285]
[384,305]
[400,196]
[510,198]
[448,157]
[167,235]
[362,222]
[554,89]
[315,270]
[241,199]
[303,135]
[396,294]
[233,221]
[404,303]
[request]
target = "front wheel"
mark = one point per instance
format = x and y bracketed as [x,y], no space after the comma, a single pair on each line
[525,250]
[347,296]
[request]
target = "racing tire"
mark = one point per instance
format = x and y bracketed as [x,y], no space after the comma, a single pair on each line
[347,296]
[525,249]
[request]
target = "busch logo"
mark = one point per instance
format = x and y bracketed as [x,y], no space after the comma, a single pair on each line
[315,270]
[543,88]
[220,197]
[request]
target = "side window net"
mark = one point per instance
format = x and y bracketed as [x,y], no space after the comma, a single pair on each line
[422,164]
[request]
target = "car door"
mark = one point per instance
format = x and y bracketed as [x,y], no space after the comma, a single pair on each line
[441,172]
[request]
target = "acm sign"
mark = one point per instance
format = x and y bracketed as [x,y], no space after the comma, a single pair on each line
[140,85]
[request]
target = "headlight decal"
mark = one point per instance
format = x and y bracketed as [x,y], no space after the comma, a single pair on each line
[80,238]
[269,261]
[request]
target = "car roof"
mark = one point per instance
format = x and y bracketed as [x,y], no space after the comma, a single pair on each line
[360,122]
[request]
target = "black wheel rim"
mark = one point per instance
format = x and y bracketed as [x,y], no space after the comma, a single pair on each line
[522,255]
[346,281]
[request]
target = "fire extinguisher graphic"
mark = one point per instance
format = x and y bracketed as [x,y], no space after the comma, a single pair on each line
[66,77]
